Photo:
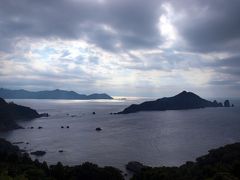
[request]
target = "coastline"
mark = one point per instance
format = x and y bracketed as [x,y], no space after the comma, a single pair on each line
[222,162]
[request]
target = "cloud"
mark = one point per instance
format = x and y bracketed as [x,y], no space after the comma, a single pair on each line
[126,21]
[113,44]
[209,25]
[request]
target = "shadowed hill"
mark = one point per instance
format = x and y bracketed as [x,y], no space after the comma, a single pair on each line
[55,94]
[10,112]
[219,164]
[184,100]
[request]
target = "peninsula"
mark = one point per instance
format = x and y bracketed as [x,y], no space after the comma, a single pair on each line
[10,113]
[183,100]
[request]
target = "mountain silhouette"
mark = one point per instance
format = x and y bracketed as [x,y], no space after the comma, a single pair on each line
[54,94]
[10,113]
[183,100]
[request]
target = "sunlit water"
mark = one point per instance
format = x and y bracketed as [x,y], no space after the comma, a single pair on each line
[153,138]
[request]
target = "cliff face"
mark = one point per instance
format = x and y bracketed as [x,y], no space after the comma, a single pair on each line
[10,112]
[184,100]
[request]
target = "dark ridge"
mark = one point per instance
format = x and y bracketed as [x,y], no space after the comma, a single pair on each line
[8,148]
[183,100]
[219,164]
[10,113]
[55,94]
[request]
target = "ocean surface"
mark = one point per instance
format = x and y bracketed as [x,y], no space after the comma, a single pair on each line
[154,138]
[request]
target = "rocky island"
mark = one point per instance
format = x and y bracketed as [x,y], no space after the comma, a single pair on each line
[10,113]
[54,94]
[183,100]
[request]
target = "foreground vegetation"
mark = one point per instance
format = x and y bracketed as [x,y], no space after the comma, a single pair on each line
[18,166]
[219,164]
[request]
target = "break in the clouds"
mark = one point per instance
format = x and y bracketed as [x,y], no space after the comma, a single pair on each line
[122,47]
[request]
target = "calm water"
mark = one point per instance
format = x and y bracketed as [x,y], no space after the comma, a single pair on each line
[153,138]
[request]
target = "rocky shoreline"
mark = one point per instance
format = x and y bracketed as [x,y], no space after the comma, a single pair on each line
[16,164]
[221,163]
[11,112]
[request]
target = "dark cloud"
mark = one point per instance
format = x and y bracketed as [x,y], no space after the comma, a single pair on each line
[207,25]
[134,21]
[210,25]
[226,74]
[229,67]
[222,82]
[233,61]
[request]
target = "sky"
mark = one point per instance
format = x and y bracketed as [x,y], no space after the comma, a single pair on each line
[144,48]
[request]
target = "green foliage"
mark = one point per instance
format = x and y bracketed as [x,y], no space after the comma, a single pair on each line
[4,176]
[219,164]
[17,166]
[20,169]
[35,173]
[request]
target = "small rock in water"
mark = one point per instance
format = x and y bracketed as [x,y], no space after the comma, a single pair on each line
[67,126]
[32,127]
[93,112]
[38,153]
[40,127]
[98,129]
[226,103]
[44,115]
[62,127]
[20,142]
[60,151]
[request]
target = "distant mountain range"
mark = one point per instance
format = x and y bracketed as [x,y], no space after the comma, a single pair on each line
[183,100]
[54,94]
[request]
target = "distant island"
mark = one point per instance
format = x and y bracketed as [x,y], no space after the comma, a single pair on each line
[54,94]
[183,100]
[10,113]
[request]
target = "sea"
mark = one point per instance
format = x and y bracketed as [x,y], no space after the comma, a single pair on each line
[154,138]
